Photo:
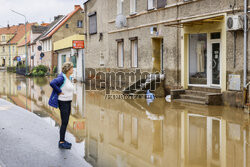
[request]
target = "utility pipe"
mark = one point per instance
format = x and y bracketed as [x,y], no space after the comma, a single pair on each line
[245,41]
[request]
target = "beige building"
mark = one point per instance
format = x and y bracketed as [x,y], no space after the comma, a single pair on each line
[11,38]
[68,27]
[190,41]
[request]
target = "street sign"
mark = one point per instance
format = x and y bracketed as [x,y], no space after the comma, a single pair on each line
[42,55]
[78,44]
[18,58]
[39,48]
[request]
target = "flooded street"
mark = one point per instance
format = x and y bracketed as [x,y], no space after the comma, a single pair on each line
[110,133]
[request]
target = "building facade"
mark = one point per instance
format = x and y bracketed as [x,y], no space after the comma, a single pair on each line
[188,41]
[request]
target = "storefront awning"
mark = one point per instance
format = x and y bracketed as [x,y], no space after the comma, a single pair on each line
[196,21]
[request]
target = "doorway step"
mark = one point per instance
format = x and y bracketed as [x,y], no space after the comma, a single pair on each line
[198,95]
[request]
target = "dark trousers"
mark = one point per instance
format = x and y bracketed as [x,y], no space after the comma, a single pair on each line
[65,108]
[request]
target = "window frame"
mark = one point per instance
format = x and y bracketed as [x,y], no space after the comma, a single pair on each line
[135,7]
[119,7]
[79,25]
[153,5]
[3,38]
[122,58]
[73,59]
[90,15]
[133,39]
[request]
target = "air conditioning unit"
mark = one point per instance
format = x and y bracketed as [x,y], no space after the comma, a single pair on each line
[234,22]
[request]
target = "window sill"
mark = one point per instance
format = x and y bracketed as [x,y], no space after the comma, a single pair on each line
[151,9]
[133,14]
[92,33]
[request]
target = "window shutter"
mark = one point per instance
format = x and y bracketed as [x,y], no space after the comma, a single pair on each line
[161,3]
[92,23]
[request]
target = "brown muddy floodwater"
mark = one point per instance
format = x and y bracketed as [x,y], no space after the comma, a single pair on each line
[121,133]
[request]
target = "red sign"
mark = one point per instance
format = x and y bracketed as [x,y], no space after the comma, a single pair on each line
[78,44]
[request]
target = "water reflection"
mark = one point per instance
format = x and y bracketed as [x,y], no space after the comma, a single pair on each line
[130,133]
[33,94]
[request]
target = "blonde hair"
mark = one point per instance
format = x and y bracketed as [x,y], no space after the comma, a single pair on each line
[67,66]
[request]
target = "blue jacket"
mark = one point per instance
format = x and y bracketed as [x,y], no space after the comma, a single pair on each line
[56,84]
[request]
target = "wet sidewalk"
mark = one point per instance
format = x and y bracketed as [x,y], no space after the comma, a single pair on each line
[27,140]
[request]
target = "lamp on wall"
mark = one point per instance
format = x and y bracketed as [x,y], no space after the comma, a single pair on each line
[100,36]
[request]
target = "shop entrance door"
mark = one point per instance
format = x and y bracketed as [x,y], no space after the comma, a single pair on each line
[215,63]
[205,60]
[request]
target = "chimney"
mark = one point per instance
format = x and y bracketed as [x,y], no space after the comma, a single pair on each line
[57,17]
[77,6]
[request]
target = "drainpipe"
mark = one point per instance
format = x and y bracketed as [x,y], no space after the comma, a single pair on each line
[245,41]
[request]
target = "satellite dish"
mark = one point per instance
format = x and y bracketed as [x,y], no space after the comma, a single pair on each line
[39,48]
[121,21]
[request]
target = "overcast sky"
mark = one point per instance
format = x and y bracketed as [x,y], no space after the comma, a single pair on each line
[35,10]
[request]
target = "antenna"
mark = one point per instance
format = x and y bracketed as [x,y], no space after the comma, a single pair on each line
[121,21]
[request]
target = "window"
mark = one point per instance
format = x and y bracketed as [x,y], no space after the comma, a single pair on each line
[134,52]
[67,25]
[198,59]
[32,48]
[45,45]
[49,45]
[120,53]
[119,7]
[151,4]
[79,24]
[161,3]
[73,60]
[132,6]
[13,48]
[215,35]
[3,38]
[92,23]
[3,49]
[63,59]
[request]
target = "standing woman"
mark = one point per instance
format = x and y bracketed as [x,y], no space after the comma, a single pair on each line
[61,97]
